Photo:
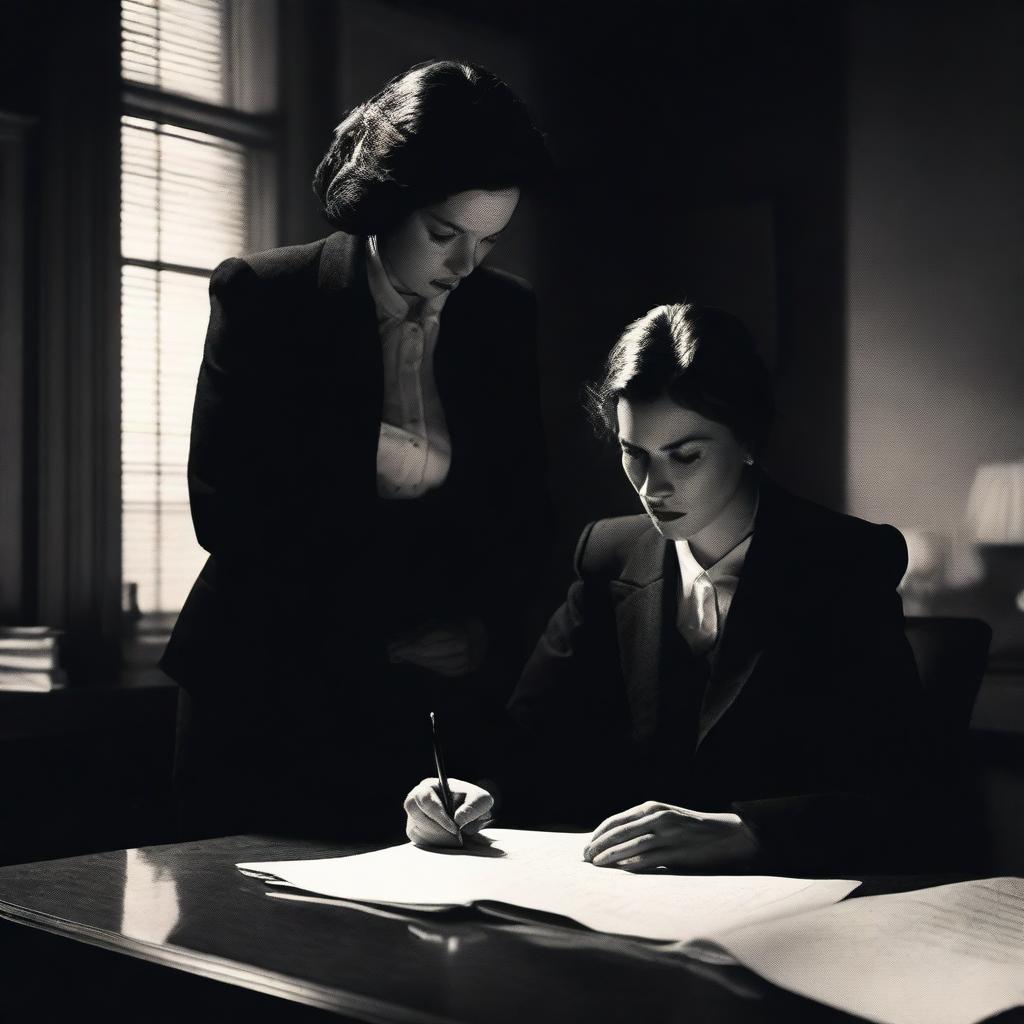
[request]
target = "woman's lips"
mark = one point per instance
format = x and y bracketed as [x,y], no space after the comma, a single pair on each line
[665,515]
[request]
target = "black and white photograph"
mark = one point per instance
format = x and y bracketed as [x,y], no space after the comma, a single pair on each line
[512,511]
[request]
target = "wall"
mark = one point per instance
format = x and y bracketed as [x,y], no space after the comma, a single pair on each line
[935,209]
[697,164]
[22,69]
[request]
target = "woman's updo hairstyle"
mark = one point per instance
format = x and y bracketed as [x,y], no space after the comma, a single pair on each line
[440,128]
[701,357]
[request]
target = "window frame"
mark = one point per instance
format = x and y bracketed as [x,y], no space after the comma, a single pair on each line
[261,134]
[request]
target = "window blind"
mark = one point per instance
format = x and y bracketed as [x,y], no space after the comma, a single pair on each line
[182,213]
[221,52]
[183,210]
[176,46]
[192,194]
[183,195]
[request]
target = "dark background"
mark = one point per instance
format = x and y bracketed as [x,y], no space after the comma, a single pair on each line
[846,176]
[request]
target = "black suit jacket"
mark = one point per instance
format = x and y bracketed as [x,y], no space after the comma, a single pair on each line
[808,725]
[294,605]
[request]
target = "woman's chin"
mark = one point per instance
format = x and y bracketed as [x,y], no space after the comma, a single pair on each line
[674,529]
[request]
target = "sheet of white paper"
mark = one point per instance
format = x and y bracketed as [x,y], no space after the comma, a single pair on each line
[546,871]
[952,954]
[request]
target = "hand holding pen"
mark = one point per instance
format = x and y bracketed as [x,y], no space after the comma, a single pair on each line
[442,811]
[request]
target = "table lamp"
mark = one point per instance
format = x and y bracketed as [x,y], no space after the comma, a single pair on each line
[995,507]
[995,516]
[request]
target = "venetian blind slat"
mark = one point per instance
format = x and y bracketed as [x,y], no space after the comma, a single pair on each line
[183,197]
[175,45]
[164,316]
[183,202]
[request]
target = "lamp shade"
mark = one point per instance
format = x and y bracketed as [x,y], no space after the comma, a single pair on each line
[995,507]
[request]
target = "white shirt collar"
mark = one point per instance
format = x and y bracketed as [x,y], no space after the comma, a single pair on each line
[728,566]
[391,305]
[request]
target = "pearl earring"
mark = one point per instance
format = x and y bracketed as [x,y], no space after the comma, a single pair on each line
[749,460]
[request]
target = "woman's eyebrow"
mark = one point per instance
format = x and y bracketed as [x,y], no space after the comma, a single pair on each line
[689,439]
[458,227]
[449,223]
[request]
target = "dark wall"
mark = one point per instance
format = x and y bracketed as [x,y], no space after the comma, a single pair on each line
[24,59]
[702,150]
[23,55]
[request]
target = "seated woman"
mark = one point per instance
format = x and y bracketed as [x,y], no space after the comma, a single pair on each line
[727,685]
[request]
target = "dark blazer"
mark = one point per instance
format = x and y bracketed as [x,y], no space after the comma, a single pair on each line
[295,603]
[807,725]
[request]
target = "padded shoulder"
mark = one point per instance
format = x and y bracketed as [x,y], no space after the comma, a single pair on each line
[230,277]
[244,274]
[286,260]
[892,548]
[843,543]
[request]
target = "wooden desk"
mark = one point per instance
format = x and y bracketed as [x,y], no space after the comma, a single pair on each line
[187,908]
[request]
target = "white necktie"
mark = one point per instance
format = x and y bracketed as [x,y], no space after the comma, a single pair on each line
[700,617]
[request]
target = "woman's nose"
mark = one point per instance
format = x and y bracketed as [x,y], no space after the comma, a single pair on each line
[656,486]
[462,259]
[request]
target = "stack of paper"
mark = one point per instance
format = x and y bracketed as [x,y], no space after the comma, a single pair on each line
[545,871]
[30,658]
[951,954]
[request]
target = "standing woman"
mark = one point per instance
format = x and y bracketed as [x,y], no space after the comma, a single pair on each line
[366,470]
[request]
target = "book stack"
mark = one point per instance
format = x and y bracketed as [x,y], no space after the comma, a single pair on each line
[30,659]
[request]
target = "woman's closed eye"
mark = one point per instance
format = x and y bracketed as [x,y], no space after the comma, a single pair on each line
[686,459]
[444,237]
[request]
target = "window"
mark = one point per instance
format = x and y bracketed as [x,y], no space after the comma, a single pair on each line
[198,152]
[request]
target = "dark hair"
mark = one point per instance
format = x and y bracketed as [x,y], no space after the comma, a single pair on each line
[440,128]
[701,357]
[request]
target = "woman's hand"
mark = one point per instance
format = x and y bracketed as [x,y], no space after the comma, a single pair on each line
[427,824]
[653,835]
[449,649]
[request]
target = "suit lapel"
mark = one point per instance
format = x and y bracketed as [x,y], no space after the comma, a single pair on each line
[348,323]
[737,659]
[749,622]
[458,382]
[642,595]
[345,291]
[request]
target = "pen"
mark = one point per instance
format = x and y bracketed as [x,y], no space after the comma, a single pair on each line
[442,779]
